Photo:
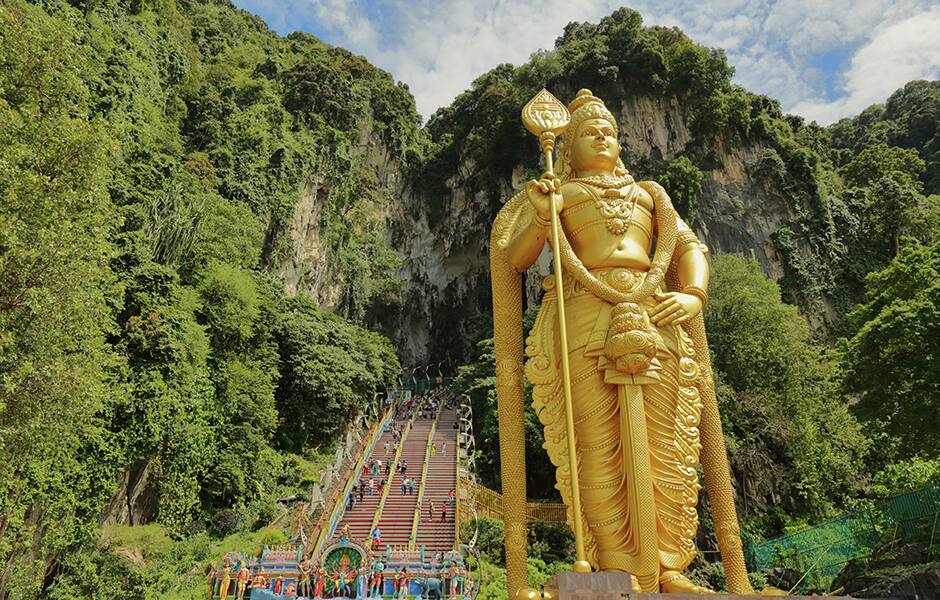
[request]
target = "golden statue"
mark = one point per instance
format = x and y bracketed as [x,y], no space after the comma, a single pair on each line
[618,362]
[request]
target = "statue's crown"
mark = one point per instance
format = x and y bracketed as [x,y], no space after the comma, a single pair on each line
[586,106]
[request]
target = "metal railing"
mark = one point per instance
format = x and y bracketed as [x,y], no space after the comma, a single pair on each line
[489,503]
[334,509]
[820,553]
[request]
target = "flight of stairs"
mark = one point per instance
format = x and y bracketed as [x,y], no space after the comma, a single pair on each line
[398,512]
[435,535]
[360,517]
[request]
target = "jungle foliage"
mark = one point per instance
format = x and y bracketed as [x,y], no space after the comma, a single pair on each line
[152,153]
[151,157]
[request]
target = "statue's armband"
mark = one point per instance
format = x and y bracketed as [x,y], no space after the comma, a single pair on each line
[686,240]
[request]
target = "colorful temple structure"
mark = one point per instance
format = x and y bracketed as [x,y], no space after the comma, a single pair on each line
[397,538]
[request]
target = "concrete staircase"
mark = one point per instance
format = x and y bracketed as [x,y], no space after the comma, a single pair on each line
[397,515]
[438,536]
[398,512]
[360,517]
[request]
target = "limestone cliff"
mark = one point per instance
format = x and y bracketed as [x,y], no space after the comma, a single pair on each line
[446,260]
[749,179]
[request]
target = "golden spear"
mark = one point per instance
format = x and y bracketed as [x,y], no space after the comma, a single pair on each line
[546,117]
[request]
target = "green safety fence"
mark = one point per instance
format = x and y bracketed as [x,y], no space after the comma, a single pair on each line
[819,553]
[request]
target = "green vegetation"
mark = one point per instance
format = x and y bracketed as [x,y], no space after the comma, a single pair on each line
[145,562]
[151,158]
[551,550]
[893,359]
[482,129]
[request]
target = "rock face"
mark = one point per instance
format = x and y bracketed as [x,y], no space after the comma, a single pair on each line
[135,500]
[893,572]
[446,269]
[308,266]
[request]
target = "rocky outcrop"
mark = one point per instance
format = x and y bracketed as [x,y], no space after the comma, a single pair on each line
[446,270]
[134,502]
[906,571]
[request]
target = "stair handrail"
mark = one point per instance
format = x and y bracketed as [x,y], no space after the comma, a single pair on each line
[424,475]
[336,509]
[388,482]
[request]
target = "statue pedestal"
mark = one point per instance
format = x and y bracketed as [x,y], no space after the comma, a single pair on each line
[617,586]
[588,586]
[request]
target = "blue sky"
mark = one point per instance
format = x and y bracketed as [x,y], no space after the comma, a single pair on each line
[823,59]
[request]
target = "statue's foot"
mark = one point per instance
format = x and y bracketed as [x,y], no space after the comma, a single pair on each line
[674,582]
[527,594]
[772,591]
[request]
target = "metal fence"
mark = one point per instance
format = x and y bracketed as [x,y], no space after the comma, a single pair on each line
[489,503]
[820,552]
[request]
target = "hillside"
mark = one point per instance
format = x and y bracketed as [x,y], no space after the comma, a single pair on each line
[215,243]
[751,180]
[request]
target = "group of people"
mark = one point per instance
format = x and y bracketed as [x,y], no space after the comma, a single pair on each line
[442,506]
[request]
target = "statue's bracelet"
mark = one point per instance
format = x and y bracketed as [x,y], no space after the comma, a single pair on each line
[694,290]
[541,222]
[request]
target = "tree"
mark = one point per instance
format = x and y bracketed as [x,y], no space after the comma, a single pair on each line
[329,371]
[892,361]
[56,292]
[791,437]
[683,181]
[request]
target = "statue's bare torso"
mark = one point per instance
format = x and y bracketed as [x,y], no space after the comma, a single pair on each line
[589,230]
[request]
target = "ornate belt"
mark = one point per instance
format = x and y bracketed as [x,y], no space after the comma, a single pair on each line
[622,279]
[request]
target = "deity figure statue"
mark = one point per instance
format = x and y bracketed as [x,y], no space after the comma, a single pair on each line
[226,580]
[362,577]
[378,579]
[243,576]
[401,583]
[303,579]
[320,584]
[260,581]
[639,363]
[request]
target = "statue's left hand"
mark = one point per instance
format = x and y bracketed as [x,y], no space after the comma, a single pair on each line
[673,308]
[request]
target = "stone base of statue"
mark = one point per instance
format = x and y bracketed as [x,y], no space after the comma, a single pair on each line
[585,586]
[617,586]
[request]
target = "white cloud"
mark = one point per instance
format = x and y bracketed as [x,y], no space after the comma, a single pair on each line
[909,49]
[439,47]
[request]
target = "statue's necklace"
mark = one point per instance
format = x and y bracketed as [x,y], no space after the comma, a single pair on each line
[616,205]
[606,181]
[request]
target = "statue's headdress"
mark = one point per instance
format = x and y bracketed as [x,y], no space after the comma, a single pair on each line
[585,106]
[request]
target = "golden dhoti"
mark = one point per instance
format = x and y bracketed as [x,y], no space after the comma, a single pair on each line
[636,428]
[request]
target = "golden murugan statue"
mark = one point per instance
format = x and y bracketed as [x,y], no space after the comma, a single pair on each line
[640,376]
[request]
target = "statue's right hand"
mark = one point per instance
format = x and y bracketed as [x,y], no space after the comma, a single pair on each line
[540,192]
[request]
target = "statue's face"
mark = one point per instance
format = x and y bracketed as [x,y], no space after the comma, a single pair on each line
[595,146]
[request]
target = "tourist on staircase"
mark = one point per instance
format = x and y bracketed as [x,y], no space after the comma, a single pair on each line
[436,531]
